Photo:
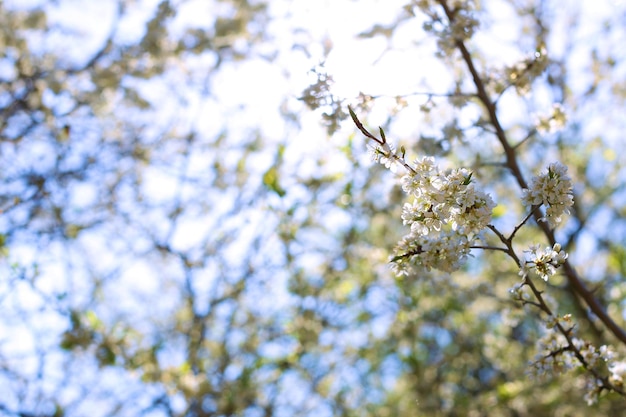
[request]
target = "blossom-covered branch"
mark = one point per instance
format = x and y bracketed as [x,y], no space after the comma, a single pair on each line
[513,165]
[447,214]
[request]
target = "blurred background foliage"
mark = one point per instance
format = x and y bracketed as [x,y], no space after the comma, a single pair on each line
[190,226]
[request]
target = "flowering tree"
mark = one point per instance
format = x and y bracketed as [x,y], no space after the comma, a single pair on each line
[181,236]
[449,215]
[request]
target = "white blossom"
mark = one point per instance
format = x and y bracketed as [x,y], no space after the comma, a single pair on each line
[384,155]
[590,353]
[473,210]
[543,261]
[421,181]
[618,373]
[593,387]
[607,353]
[552,189]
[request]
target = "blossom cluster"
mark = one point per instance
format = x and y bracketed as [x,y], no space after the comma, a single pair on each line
[552,189]
[617,375]
[445,215]
[553,356]
[543,261]
[445,252]
[556,355]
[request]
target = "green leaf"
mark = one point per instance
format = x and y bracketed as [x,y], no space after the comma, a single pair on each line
[270,180]
[382,134]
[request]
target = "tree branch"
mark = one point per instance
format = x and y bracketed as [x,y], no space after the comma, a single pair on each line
[512,164]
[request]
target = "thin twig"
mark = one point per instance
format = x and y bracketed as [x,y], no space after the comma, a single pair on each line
[363,130]
[523,222]
[495,248]
[381,142]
